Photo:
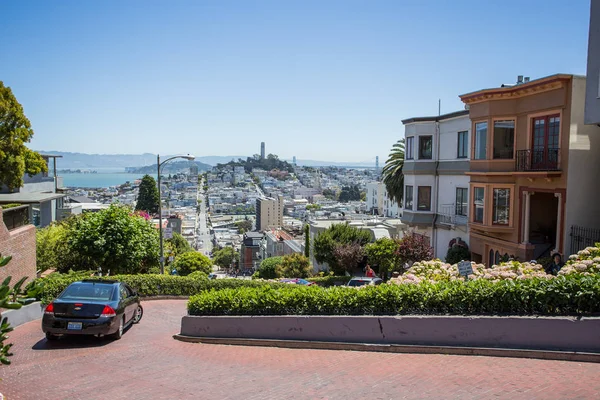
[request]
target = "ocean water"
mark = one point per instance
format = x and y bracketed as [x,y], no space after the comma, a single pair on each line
[100,179]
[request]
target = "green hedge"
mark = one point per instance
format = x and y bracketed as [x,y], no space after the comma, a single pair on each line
[146,284]
[327,281]
[572,295]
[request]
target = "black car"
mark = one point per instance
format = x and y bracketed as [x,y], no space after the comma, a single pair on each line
[92,307]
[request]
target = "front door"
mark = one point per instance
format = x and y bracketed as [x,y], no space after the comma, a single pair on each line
[545,143]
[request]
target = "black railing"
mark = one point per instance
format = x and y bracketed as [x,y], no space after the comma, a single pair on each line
[583,237]
[547,159]
[15,217]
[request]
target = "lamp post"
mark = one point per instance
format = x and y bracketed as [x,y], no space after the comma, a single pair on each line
[159,164]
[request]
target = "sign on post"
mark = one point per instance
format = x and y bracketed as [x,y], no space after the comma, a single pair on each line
[465,268]
[168,233]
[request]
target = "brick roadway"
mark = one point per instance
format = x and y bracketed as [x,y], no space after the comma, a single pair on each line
[148,364]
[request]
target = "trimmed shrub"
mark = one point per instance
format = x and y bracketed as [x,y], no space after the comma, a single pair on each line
[269,268]
[295,266]
[192,261]
[457,254]
[565,295]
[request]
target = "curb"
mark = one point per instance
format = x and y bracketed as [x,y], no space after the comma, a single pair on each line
[399,348]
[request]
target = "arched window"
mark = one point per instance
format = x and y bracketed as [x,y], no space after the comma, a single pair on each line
[491,259]
[497,258]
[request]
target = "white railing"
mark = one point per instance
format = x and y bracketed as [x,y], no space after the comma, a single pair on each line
[448,216]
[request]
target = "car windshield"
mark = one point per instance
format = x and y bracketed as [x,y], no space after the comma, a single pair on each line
[88,291]
[358,282]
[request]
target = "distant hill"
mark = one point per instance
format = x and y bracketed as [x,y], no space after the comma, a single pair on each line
[170,167]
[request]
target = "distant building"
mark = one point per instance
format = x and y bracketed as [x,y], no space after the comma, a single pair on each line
[592,96]
[250,256]
[262,150]
[294,160]
[269,213]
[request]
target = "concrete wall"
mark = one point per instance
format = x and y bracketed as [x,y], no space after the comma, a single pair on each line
[566,334]
[582,205]
[20,244]
[449,136]
[592,97]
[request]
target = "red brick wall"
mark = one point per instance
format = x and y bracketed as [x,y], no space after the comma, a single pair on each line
[20,244]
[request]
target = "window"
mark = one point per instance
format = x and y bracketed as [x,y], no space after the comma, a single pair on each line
[463,145]
[478,201]
[504,138]
[425,147]
[409,148]
[408,198]
[480,140]
[424,198]
[546,132]
[461,201]
[501,206]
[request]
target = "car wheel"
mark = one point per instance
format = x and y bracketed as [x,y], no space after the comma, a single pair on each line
[50,337]
[119,333]
[139,312]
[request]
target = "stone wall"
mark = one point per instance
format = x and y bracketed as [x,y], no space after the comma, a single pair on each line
[20,244]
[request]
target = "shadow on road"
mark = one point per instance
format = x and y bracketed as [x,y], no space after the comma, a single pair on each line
[74,342]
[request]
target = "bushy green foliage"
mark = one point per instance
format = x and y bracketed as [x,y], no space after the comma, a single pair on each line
[457,254]
[8,303]
[330,280]
[193,261]
[295,266]
[51,246]
[336,235]
[566,295]
[113,239]
[177,245]
[244,226]
[225,257]
[147,284]
[148,195]
[383,254]
[269,268]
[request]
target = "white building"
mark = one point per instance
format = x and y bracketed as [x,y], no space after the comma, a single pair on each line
[436,189]
[378,201]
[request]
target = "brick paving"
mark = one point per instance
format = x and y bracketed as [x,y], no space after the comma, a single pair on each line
[148,364]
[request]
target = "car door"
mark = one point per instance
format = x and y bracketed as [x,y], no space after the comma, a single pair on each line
[134,299]
[126,300]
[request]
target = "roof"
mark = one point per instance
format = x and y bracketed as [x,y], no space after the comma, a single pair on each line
[29,198]
[436,118]
[255,235]
[81,199]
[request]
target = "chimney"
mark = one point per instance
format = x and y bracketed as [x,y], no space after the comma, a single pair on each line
[526,79]
[519,79]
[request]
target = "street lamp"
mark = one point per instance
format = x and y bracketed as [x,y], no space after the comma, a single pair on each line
[160,164]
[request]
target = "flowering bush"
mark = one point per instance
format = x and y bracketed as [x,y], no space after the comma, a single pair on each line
[585,262]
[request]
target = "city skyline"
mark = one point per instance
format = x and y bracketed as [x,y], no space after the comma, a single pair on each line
[328,82]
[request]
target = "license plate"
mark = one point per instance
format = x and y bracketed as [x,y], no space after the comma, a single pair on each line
[75,326]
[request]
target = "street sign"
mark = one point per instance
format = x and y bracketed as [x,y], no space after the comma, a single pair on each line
[465,268]
[168,233]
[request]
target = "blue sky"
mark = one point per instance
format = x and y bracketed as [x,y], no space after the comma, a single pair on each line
[321,80]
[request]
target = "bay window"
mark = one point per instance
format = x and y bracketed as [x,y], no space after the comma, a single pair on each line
[501,207]
[504,138]
[481,129]
[478,204]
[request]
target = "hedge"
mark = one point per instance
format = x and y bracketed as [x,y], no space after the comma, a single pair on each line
[145,284]
[327,281]
[569,295]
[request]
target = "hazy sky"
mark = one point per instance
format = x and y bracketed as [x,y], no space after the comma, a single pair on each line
[321,80]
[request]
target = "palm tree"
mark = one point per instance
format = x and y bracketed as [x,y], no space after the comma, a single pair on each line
[393,178]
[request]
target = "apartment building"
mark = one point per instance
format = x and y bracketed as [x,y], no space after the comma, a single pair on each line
[269,212]
[592,99]
[533,168]
[436,189]
[378,201]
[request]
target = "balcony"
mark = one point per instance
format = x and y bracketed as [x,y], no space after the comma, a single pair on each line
[547,159]
[448,216]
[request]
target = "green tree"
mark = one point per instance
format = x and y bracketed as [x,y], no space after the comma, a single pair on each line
[148,195]
[244,226]
[269,268]
[225,257]
[295,265]
[392,175]
[113,239]
[330,194]
[307,240]
[349,193]
[178,245]
[5,302]
[15,130]
[193,261]
[383,253]
[327,241]
[458,253]
[51,246]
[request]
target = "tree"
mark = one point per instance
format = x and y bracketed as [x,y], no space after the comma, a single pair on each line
[458,253]
[269,268]
[414,247]
[348,257]
[383,254]
[330,194]
[192,261]
[225,257]
[295,265]
[338,234]
[393,178]
[307,240]
[178,245]
[244,226]
[113,239]
[15,130]
[51,246]
[148,195]
[349,193]
[5,302]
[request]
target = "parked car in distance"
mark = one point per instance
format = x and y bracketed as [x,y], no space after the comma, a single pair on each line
[364,281]
[298,281]
[92,307]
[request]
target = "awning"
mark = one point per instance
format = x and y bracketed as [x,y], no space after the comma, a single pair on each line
[29,198]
